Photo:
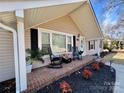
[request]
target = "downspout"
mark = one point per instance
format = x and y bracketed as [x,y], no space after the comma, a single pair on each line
[15,54]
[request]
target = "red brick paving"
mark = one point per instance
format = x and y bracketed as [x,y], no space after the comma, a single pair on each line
[41,77]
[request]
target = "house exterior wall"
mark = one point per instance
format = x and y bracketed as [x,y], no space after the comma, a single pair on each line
[97,47]
[27,39]
[7,70]
[62,24]
[65,24]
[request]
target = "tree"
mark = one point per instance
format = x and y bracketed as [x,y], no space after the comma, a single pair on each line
[113,4]
[112,28]
[117,29]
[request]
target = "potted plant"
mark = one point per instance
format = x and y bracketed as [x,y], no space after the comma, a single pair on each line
[28,64]
[95,66]
[37,58]
[65,87]
[33,56]
[87,73]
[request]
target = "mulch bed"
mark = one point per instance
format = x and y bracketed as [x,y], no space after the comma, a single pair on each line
[7,86]
[102,81]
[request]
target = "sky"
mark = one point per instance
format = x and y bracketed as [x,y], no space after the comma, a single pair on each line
[108,18]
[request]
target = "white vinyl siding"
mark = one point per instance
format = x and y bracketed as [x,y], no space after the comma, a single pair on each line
[94,48]
[62,25]
[6,56]
[27,39]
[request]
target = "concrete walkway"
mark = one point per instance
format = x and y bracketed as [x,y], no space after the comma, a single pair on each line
[119,85]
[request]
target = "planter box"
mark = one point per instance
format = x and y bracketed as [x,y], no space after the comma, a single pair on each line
[38,64]
[28,68]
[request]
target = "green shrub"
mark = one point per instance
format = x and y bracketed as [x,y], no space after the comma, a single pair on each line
[109,47]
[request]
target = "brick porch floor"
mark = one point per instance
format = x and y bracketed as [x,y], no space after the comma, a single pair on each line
[41,77]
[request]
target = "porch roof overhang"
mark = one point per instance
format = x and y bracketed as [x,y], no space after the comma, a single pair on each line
[13,5]
[39,12]
[37,16]
[36,12]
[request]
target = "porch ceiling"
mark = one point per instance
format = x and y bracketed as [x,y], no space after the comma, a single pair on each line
[8,18]
[38,16]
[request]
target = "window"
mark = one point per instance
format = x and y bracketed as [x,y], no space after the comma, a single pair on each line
[45,42]
[58,42]
[92,44]
[101,44]
[81,44]
[69,43]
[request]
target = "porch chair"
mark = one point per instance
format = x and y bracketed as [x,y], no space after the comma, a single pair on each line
[55,60]
[76,53]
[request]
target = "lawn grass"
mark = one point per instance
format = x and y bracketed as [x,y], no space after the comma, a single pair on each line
[115,57]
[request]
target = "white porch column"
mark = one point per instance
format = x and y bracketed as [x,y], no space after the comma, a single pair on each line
[21,49]
[85,49]
[98,48]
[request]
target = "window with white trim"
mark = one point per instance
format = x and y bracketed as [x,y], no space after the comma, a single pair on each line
[58,43]
[69,43]
[45,39]
[91,44]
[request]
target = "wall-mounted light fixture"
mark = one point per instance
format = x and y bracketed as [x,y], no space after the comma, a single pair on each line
[78,37]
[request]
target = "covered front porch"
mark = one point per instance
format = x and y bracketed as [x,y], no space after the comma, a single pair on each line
[59,19]
[41,77]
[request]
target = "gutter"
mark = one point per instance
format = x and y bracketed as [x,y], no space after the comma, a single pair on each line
[15,45]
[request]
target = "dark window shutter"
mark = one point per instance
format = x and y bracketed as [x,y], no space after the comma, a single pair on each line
[89,44]
[94,44]
[74,43]
[34,39]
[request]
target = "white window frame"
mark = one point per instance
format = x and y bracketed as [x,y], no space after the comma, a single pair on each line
[94,44]
[101,44]
[82,38]
[67,42]
[41,30]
